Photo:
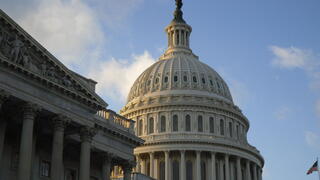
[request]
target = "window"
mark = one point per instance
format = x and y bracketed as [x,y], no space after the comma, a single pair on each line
[211,124]
[175,78]
[189,169]
[45,168]
[175,170]
[178,39]
[221,127]
[203,81]
[149,82]
[157,80]
[200,124]
[237,129]
[185,78]
[203,171]
[151,125]
[211,82]
[175,123]
[188,123]
[163,124]
[218,84]
[230,129]
[194,79]
[140,130]
[166,79]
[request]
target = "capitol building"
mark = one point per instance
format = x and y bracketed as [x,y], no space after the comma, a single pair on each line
[185,113]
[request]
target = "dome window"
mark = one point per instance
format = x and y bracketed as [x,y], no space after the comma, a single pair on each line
[218,84]
[188,123]
[194,79]
[157,80]
[166,79]
[175,123]
[185,78]
[151,125]
[211,83]
[163,124]
[203,81]
[149,82]
[200,124]
[211,124]
[221,127]
[175,78]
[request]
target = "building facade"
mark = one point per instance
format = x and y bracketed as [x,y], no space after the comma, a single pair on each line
[185,113]
[52,123]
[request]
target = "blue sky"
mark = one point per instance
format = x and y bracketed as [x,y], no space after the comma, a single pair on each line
[267,51]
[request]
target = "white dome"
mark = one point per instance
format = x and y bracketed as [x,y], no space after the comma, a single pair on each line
[177,74]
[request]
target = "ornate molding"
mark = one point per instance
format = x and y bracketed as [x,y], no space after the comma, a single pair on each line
[87,133]
[60,122]
[30,110]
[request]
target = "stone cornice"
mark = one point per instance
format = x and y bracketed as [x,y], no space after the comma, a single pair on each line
[22,54]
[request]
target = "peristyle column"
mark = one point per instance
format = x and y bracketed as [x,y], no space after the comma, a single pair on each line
[239,173]
[59,124]
[248,173]
[106,166]
[255,172]
[227,167]
[166,157]
[151,154]
[198,164]
[213,166]
[182,165]
[29,114]
[86,135]
[3,123]
[138,167]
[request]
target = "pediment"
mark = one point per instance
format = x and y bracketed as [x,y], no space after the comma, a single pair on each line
[23,54]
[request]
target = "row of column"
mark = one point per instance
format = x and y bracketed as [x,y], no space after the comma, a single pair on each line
[60,122]
[183,39]
[252,170]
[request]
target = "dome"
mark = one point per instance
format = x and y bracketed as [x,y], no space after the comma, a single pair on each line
[180,74]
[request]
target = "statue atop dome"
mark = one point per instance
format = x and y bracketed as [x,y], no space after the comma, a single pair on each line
[178,13]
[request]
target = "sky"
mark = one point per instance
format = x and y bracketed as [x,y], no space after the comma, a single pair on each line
[268,52]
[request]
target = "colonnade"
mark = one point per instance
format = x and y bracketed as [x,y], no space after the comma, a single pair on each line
[60,122]
[230,167]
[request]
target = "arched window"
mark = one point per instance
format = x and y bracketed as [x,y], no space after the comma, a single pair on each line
[189,169]
[157,80]
[194,79]
[230,129]
[185,78]
[203,171]
[140,129]
[200,124]
[211,124]
[166,79]
[175,170]
[163,124]
[151,125]
[188,123]
[211,83]
[221,127]
[175,123]
[237,129]
[203,80]
[175,78]
[162,170]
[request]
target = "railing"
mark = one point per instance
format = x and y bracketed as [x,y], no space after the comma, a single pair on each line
[112,116]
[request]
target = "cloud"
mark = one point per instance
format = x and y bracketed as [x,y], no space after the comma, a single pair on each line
[312,139]
[116,76]
[283,113]
[303,59]
[291,57]
[240,93]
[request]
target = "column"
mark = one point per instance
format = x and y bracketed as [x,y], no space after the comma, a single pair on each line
[248,174]
[254,170]
[86,135]
[182,165]
[143,166]
[166,157]
[239,173]
[227,168]
[106,166]
[198,164]
[127,172]
[3,123]
[213,166]
[138,167]
[25,155]
[151,164]
[59,124]
[221,173]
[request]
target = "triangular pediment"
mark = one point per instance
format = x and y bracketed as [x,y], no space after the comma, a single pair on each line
[23,54]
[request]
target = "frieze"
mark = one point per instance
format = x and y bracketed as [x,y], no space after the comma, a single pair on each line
[16,49]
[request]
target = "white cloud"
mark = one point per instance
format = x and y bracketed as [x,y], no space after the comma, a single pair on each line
[312,139]
[283,113]
[116,77]
[303,59]
[291,57]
